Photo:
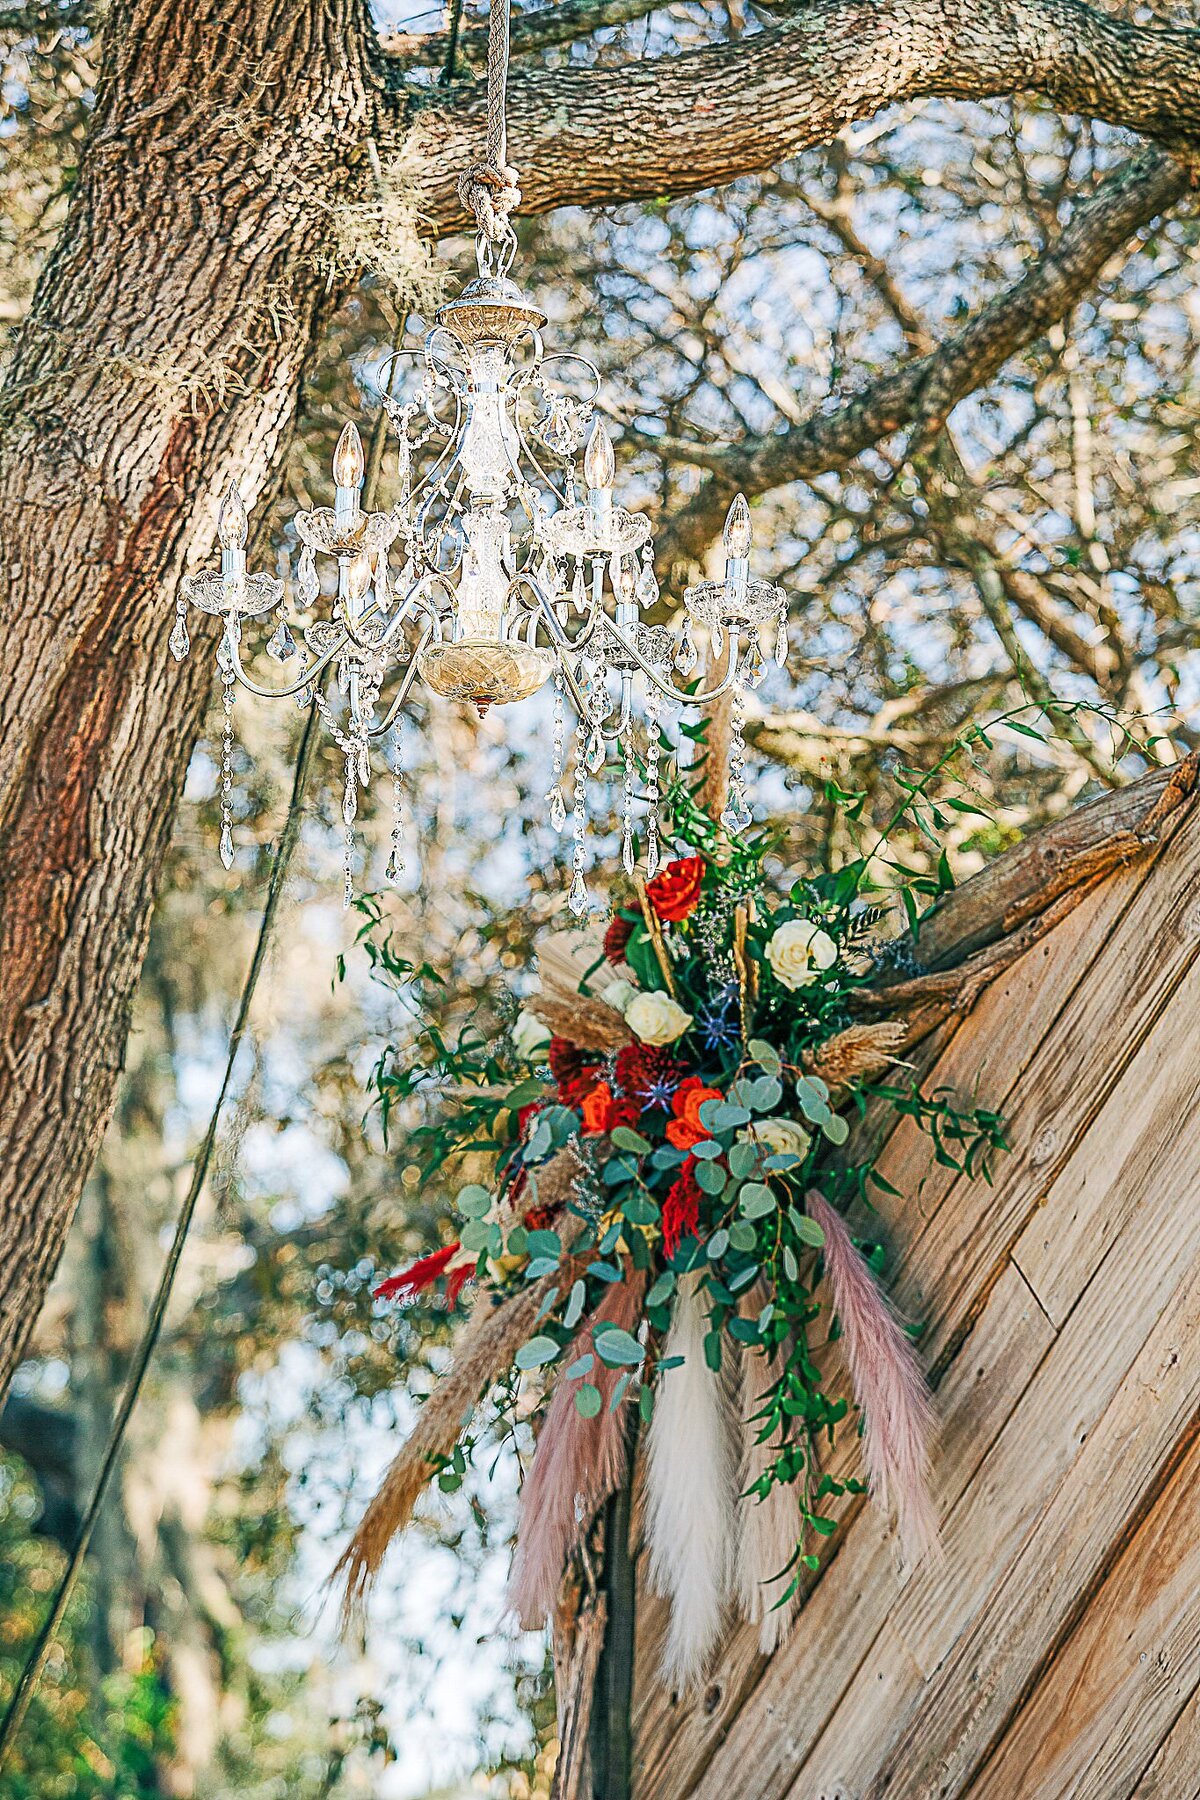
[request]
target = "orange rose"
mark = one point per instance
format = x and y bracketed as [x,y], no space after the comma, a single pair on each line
[674,893]
[686,1128]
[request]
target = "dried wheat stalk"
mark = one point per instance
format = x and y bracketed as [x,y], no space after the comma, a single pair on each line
[582,1020]
[858,1051]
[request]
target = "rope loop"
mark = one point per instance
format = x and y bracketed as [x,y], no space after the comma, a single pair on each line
[491,195]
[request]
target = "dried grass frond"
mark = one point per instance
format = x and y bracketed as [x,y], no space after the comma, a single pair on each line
[488,1343]
[581,1020]
[857,1052]
[486,1346]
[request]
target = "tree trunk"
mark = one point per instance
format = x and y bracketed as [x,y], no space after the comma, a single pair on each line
[163,355]
[186,275]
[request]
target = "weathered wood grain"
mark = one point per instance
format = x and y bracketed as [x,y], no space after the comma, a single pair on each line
[1174,1774]
[1116,1690]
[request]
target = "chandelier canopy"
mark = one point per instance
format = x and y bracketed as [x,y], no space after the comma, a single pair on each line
[491,575]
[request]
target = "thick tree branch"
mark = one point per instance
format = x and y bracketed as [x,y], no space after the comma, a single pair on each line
[920,394]
[677,124]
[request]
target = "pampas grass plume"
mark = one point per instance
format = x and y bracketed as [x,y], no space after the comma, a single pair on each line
[888,1385]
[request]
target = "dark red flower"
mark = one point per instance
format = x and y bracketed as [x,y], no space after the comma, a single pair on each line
[673,894]
[620,930]
[681,1209]
[421,1275]
[650,1073]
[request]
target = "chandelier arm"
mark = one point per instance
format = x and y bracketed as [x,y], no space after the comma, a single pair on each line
[668,687]
[402,692]
[296,687]
[562,643]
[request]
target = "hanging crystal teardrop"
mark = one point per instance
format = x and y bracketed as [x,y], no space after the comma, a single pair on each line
[579,589]
[687,655]
[595,750]
[753,666]
[308,584]
[781,641]
[383,593]
[647,588]
[179,642]
[737,814]
[282,645]
[350,790]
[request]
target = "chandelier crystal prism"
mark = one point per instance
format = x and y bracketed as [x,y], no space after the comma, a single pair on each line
[490,575]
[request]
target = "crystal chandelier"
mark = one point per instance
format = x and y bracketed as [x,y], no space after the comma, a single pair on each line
[490,576]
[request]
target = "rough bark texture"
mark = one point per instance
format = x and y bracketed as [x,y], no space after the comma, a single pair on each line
[164,353]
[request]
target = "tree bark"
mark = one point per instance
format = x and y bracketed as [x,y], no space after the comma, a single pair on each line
[163,355]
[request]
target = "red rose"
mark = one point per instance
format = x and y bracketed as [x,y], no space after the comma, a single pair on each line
[603,1110]
[681,1209]
[674,893]
[687,1127]
[619,932]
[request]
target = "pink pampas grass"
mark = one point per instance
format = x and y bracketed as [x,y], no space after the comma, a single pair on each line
[576,1465]
[888,1385]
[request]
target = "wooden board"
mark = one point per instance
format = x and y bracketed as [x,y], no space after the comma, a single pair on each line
[1056,1650]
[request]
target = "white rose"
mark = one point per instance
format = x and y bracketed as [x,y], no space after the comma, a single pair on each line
[618,995]
[798,950]
[656,1018]
[782,1137]
[529,1035]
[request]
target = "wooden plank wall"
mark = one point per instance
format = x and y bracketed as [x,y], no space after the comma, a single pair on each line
[1055,1652]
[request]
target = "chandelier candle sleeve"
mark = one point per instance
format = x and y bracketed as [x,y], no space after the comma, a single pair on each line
[514,561]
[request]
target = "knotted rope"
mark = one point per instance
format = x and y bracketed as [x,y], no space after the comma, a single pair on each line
[489,191]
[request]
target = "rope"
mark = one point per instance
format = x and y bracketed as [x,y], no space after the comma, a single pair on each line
[489,191]
[26,1686]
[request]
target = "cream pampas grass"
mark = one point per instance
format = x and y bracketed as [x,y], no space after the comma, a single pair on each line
[692,1490]
[768,1529]
[888,1385]
[577,1464]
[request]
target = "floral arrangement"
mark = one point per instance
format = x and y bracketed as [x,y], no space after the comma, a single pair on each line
[663,1246]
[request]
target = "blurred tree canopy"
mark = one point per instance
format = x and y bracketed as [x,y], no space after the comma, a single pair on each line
[944,334]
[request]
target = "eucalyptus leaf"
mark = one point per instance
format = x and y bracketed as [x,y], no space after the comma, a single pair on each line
[573,1311]
[537,1352]
[710,1178]
[718,1244]
[583,1365]
[662,1290]
[765,1055]
[588,1401]
[756,1200]
[474,1202]
[625,1138]
[618,1346]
